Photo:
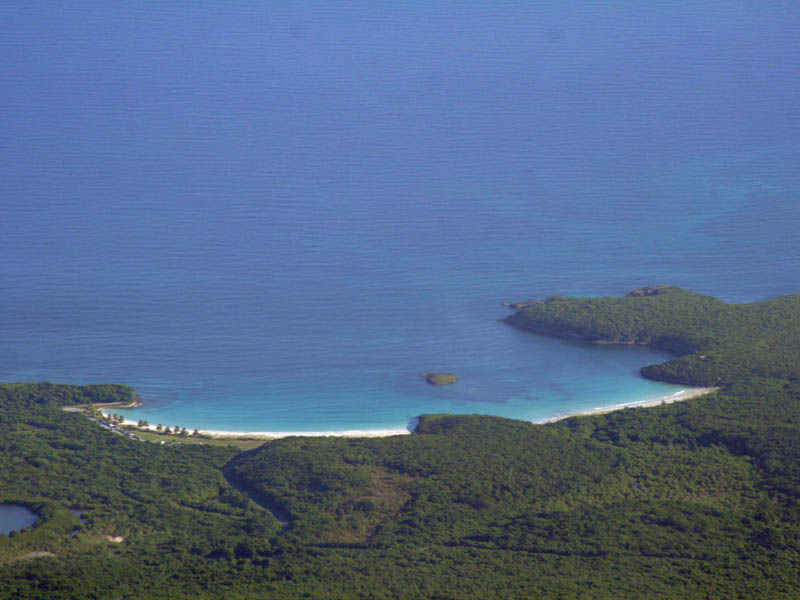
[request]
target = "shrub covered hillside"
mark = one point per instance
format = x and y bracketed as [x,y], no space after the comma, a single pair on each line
[697,499]
[170,505]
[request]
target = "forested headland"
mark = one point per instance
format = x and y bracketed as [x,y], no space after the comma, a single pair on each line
[688,500]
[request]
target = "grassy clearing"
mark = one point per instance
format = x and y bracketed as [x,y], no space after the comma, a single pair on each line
[243,443]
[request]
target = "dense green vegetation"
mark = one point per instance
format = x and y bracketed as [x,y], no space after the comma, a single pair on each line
[695,499]
[719,343]
[171,504]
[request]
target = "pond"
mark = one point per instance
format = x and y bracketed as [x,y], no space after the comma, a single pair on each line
[14,517]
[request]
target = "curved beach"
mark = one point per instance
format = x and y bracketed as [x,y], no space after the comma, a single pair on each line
[684,394]
[676,397]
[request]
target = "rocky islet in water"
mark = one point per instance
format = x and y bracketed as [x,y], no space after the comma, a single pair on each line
[441,378]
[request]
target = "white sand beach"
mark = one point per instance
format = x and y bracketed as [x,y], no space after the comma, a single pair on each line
[282,434]
[684,394]
[269,435]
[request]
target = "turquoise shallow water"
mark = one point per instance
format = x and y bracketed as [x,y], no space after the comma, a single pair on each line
[277,218]
[538,385]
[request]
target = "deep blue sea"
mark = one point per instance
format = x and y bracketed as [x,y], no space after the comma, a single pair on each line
[277,216]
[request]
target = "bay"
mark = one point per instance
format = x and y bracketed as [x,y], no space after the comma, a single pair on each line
[277,218]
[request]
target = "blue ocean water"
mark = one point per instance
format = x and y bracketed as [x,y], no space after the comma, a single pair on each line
[275,218]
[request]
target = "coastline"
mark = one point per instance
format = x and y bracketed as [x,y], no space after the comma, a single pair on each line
[273,435]
[680,396]
[357,433]
[133,404]
[684,394]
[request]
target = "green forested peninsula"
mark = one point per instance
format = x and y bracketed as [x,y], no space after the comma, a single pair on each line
[696,499]
[718,343]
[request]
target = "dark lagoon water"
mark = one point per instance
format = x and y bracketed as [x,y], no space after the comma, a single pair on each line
[275,218]
[14,517]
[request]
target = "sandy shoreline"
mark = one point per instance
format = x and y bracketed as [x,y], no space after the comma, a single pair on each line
[281,434]
[271,435]
[684,394]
